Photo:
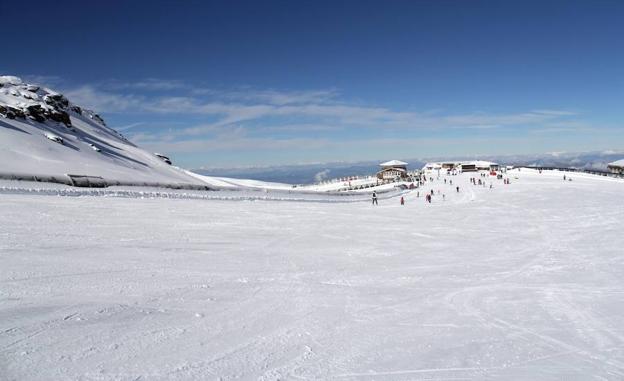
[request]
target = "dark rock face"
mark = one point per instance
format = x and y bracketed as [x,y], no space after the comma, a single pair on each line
[15,113]
[61,117]
[56,100]
[36,112]
[99,119]
[41,115]
[76,109]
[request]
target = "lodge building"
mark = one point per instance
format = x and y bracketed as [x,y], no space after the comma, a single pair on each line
[393,169]
[617,167]
[479,165]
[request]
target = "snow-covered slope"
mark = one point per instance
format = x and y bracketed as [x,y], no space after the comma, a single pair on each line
[521,281]
[32,116]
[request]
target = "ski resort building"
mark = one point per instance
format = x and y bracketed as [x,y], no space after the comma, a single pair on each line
[449,165]
[432,166]
[486,166]
[479,165]
[617,167]
[464,166]
[393,169]
[468,167]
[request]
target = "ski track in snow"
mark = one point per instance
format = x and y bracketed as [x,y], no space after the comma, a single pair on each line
[522,281]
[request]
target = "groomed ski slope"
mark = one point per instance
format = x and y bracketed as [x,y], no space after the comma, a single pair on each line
[521,282]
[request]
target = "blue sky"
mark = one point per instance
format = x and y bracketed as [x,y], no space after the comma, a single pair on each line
[235,83]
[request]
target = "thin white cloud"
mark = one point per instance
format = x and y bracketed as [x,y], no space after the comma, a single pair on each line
[281,98]
[555,112]
[147,84]
[222,114]
[42,80]
[128,126]
[103,101]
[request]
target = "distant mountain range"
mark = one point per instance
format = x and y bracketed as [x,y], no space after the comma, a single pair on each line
[313,173]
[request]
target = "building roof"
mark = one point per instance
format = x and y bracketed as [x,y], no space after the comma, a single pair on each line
[393,163]
[432,165]
[617,163]
[479,163]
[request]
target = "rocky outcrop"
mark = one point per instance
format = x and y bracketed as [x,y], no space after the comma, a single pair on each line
[36,112]
[61,117]
[76,109]
[22,100]
[99,119]
[56,101]
[11,112]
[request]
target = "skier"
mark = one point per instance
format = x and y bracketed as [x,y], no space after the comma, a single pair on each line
[457,189]
[402,201]
[375,198]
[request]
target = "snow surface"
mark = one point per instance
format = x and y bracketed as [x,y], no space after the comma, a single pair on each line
[520,282]
[25,149]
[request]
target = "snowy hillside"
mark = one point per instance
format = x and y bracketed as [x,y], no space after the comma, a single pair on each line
[43,133]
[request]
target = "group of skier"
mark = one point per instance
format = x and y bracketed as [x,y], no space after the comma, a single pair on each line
[422,180]
[428,196]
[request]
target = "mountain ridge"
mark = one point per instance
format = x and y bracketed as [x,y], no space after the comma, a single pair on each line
[44,133]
